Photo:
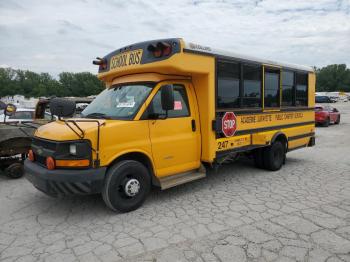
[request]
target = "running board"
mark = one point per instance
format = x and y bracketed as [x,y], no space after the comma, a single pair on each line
[182,178]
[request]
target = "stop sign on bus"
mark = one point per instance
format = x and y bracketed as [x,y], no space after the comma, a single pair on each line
[229,124]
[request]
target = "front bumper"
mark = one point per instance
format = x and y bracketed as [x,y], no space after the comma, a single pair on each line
[62,182]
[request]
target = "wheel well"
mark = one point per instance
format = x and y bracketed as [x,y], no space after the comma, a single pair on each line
[279,136]
[140,157]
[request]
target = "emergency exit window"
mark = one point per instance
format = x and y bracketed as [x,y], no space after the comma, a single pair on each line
[272,89]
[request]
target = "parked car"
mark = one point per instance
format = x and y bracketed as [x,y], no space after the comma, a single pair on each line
[334,99]
[325,115]
[323,99]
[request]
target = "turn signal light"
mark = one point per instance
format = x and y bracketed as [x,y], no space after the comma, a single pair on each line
[50,163]
[31,155]
[73,163]
[160,49]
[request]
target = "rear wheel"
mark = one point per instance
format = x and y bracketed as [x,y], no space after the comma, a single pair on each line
[326,123]
[337,121]
[126,186]
[274,156]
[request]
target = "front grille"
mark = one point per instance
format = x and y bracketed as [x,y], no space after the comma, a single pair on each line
[40,159]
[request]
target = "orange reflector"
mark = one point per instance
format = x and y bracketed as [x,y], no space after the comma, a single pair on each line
[31,155]
[73,163]
[50,163]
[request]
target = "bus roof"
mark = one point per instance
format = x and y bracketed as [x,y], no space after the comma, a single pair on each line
[191,47]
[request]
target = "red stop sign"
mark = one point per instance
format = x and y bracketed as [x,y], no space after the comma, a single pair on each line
[229,124]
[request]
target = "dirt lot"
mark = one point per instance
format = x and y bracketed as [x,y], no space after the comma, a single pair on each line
[300,213]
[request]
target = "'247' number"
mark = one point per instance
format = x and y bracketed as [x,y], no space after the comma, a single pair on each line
[222,145]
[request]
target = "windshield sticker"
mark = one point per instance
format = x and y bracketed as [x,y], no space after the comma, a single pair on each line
[125,104]
[177,105]
[128,101]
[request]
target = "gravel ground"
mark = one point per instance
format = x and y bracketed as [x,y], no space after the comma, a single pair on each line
[239,213]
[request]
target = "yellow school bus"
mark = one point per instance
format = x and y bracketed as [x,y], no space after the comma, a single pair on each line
[170,110]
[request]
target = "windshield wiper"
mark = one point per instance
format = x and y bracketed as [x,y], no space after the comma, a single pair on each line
[97,115]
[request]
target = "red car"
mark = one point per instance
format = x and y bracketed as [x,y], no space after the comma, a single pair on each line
[325,115]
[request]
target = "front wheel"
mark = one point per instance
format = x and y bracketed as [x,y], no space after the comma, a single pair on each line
[274,156]
[126,186]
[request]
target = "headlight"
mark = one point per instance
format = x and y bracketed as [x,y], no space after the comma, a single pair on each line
[73,149]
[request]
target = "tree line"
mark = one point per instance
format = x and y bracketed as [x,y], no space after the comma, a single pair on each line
[30,84]
[333,78]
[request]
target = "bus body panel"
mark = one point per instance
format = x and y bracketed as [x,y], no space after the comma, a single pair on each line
[179,144]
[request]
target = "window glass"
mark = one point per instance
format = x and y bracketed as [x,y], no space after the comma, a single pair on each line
[181,106]
[271,92]
[301,79]
[288,88]
[119,101]
[287,78]
[228,85]
[251,86]
[301,89]
[22,115]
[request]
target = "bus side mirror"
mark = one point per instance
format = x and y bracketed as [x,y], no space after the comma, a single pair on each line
[167,97]
[62,107]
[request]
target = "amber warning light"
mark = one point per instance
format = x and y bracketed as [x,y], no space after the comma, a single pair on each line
[160,49]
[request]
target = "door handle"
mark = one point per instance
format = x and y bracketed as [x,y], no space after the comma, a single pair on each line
[193,123]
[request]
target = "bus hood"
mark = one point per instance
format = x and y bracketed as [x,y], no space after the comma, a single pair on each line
[60,131]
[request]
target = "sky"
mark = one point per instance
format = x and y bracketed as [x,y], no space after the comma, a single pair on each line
[57,35]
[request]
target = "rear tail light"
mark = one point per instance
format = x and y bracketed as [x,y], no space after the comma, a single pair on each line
[31,155]
[50,163]
[160,49]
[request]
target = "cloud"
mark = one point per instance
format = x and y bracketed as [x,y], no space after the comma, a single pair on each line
[57,35]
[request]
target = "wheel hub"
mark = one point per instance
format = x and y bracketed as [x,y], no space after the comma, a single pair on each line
[132,187]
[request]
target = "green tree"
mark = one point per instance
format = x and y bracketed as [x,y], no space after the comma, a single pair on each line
[29,83]
[333,78]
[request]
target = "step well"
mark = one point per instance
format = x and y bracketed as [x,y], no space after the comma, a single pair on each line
[182,178]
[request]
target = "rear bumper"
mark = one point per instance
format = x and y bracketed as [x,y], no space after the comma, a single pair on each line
[62,182]
[320,120]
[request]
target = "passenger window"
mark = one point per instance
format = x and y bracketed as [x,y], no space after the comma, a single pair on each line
[251,86]
[288,89]
[301,90]
[272,89]
[228,84]
[181,105]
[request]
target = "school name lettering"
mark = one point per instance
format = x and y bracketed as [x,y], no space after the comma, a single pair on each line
[270,118]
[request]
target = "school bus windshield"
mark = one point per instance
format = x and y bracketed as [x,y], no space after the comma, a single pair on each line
[118,102]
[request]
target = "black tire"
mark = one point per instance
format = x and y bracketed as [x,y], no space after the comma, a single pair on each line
[274,156]
[15,170]
[326,123]
[258,158]
[121,176]
[337,121]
